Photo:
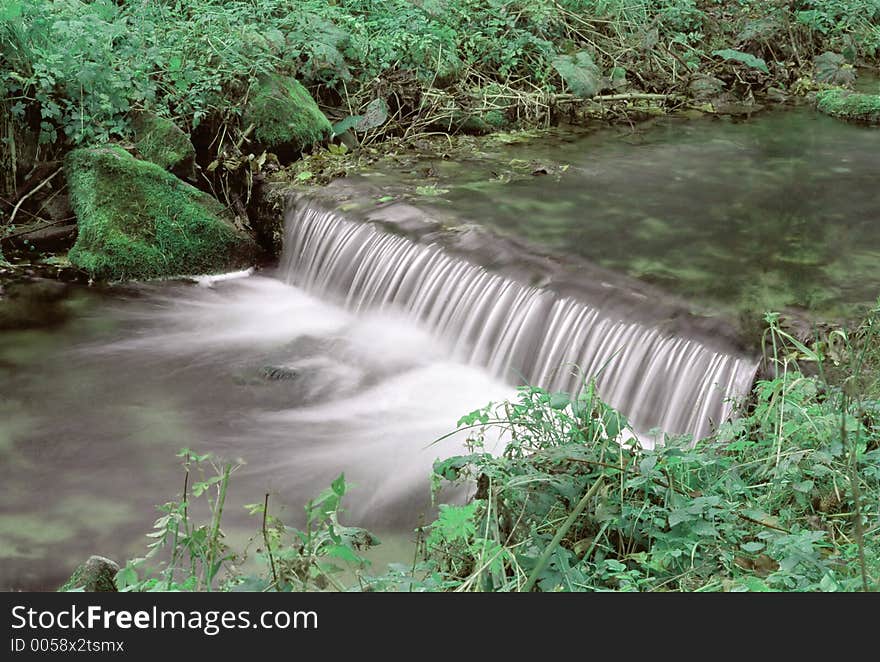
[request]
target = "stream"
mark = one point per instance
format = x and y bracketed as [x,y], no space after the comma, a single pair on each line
[361,349]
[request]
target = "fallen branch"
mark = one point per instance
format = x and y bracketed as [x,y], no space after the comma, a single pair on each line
[30,193]
[629,96]
[32,230]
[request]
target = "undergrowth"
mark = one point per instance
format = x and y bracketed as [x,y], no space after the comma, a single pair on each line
[72,71]
[75,73]
[785,497]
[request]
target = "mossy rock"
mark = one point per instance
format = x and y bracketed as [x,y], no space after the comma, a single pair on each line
[848,105]
[160,141]
[97,575]
[285,117]
[138,221]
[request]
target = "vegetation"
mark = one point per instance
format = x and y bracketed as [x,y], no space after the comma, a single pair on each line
[138,221]
[78,73]
[850,105]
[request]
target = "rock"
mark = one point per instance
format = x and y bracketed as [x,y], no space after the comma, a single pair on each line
[776,95]
[53,237]
[847,105]
[737,109]
[32,303]
[285,117]
[705,88]
[138,221]
[160,141]
[276,373]
[97,575]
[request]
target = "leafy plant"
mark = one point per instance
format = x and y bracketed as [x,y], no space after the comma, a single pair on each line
[197,552]
[746,58]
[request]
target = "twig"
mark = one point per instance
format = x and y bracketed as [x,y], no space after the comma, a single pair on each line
[30,193]
[756,521]
[244,136]
[266,541]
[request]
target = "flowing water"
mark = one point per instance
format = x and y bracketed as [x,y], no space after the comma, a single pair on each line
[519,333]
[364,346]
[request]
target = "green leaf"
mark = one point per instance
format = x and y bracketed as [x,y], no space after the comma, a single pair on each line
[752,547]
[756,584]
[126,577]
[828,585]
[338,485]
[833,69]
[348,123]
[745,58]
[559,400]
[375,115]
[456,522]
[679,516]
[580,73]
[344,553]
[450,468]
[704,528]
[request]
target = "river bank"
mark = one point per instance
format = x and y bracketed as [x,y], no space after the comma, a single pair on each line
[362,76]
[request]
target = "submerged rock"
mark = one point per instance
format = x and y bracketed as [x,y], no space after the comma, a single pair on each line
[138,221]
[32,303]
[849,105]
[277,373]
[160,141]
[97,575]
[285,117]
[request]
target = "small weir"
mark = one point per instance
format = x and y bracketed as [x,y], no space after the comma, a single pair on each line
[520,333]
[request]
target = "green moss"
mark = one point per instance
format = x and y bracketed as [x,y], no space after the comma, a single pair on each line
[160,141]
[850,105]
[138,221]
[284,115]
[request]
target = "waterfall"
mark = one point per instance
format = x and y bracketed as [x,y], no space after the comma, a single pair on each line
[522,334]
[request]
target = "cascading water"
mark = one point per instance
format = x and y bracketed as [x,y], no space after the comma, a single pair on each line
[659,380]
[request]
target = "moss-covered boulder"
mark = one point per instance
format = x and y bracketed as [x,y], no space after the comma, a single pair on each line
[848,105]
[138,221]
[160,141]
[97,575]
[285,117]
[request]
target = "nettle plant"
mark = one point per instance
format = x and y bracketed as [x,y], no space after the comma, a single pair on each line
[74,69]
[184,555]
[188,556]
[785,497]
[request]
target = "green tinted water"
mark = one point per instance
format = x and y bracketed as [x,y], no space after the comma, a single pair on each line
[746,216]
